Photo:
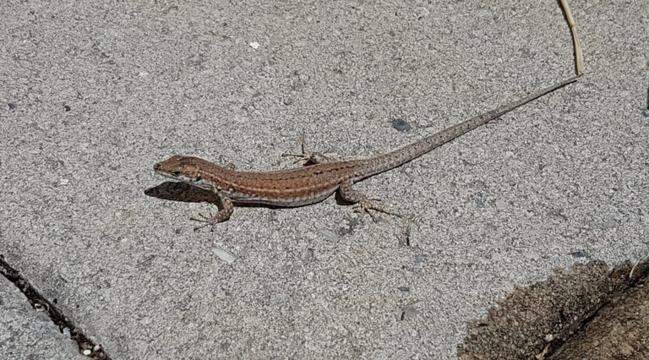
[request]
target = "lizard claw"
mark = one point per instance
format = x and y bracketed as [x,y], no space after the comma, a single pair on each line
[206,220]
[365,205]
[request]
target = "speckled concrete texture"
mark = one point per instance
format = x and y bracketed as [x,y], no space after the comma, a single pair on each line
[93,93]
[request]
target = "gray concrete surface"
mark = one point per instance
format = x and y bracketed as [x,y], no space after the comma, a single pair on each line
[94,93]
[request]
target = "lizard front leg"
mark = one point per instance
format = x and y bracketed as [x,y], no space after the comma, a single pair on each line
[225,211]
[363,204]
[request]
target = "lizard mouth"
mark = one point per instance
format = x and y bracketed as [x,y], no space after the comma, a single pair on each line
[167,174]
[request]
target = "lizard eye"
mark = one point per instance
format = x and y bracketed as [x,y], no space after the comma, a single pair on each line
[176,173]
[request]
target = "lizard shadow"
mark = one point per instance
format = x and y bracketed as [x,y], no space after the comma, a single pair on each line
[178,191]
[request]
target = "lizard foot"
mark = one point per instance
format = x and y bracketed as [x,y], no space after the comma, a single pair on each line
[210,220]
[206,220]
[308,158]
[365,205]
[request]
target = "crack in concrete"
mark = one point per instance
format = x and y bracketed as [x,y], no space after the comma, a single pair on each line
[86,346]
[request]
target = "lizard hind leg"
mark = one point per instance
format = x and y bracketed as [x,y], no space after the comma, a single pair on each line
[362,203]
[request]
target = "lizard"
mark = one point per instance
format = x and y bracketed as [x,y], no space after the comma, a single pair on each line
[312,184]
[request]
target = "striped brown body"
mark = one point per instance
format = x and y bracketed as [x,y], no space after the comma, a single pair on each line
[286,188]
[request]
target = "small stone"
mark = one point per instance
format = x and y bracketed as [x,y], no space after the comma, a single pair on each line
[410,312]
[480,203]
[401,125]
[302,227]
[578,254]
[223,255]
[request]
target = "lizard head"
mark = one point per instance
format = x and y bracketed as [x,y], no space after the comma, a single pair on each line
[187,169]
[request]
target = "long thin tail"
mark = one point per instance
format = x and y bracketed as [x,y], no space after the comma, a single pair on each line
[407,153]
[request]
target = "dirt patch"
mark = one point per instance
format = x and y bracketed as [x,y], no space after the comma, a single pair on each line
[591,311]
